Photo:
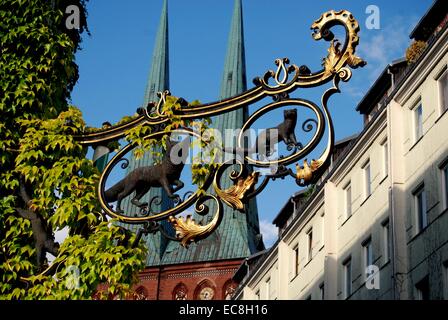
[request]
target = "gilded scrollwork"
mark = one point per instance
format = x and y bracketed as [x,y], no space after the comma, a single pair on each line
[235,196]
[305,172]
[284,80]
[188,230]
[338,58]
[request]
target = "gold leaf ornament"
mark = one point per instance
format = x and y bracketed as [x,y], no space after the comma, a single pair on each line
[235,195]
[306,171]
[188,230]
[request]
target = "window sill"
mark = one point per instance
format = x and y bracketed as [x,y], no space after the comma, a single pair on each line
[306,265]
[294,278]
[386,263]
[416,142]
[441,115]
[346,220]
[384,179]
[419,233]
[365,200]
[309,261]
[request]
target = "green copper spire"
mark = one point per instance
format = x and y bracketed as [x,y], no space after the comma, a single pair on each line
[158,81]
[238,235]
[234,76]
[159,78]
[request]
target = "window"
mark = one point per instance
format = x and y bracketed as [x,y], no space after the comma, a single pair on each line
[445,184]
[443,89]
[386,241]
[322,291]
[180,292]
[141,294]
[348,200]
[296,260]
[418,121]
[420,208]
[368,256]
[385,153]
[445,280]
[347,278]
[268,288]
[310,244]
[367,179]
[322,229]
[423,289]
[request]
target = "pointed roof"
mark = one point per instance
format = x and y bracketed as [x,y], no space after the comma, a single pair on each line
[234,76]
[159,78]
[238,235]
[158,81]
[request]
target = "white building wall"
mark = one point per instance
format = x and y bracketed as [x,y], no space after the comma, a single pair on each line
[414,255]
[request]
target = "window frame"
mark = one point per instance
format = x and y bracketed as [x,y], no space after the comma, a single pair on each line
[386,236]
[444,181]
[385,154]
[445,279]
[443,105]
[309,236]
[419,288]
[367,253]
[348,275]
[296,251]
[348,200]
[322,291]
[367,168]
[268,288]
[421,212]
[418,120]
[322,229]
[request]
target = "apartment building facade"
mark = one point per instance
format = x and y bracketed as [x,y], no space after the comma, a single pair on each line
[377,225]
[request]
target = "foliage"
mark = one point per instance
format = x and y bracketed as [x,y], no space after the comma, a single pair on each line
[415,51]
[202,165]
[309,192]
[86,263]
[37,74]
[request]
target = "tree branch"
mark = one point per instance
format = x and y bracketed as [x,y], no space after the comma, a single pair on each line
[24,193]
[27,214]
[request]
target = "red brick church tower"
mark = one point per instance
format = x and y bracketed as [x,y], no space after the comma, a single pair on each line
[205,269]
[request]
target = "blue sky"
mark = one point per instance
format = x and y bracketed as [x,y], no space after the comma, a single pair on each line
[115,59]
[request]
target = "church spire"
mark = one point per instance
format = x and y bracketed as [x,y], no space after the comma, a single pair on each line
[159,79]
[238,235]
[234,77]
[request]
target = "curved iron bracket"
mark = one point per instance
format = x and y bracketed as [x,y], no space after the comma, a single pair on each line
[277,84]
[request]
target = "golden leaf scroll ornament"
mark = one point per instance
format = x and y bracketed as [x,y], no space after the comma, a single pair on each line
[306,172]
[188,230]
[336,58]
[235,195]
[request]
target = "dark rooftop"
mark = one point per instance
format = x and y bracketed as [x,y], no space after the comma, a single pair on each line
[430,21]
[379,88]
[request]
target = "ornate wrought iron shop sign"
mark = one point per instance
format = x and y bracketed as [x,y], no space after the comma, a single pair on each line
[247,183]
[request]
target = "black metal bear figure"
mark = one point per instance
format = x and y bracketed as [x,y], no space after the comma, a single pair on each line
[163,175]
[284,131]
